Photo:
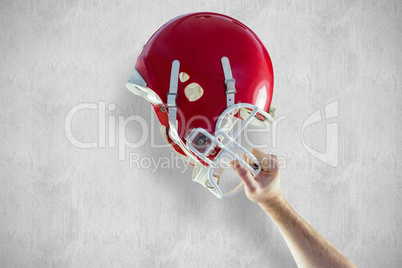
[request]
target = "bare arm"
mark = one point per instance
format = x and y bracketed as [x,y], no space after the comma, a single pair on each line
[308,247]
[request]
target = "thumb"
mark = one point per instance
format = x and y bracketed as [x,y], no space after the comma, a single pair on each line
[243,173]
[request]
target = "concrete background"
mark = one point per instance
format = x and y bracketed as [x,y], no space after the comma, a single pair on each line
[64,206]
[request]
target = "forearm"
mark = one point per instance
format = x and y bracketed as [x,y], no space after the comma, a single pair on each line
[308,247]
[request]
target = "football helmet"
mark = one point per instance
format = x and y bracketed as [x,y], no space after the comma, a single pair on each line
[203,73]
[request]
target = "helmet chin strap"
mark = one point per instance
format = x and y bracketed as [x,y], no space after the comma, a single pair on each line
[229,81]
[171,100]
[172,110]
[172,96]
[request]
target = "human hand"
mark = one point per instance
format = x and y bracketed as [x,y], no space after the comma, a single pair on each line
[265,187]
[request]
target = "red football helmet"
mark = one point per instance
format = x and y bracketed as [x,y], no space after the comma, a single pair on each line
[203,73]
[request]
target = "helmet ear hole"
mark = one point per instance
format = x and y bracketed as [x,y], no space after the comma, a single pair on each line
[193,91]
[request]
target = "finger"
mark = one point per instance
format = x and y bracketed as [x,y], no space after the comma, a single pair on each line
[258,154]
[272,162]
[267,161]
[244,174]
[248,160]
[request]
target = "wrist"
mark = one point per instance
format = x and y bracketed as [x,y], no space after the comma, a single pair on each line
[273,203]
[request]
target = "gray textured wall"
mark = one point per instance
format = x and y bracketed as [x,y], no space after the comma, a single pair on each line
[65,206]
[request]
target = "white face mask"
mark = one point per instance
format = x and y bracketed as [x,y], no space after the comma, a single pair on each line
[203,144]
[213,150]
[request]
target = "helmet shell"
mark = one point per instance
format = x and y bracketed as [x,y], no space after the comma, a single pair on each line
[199,41]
